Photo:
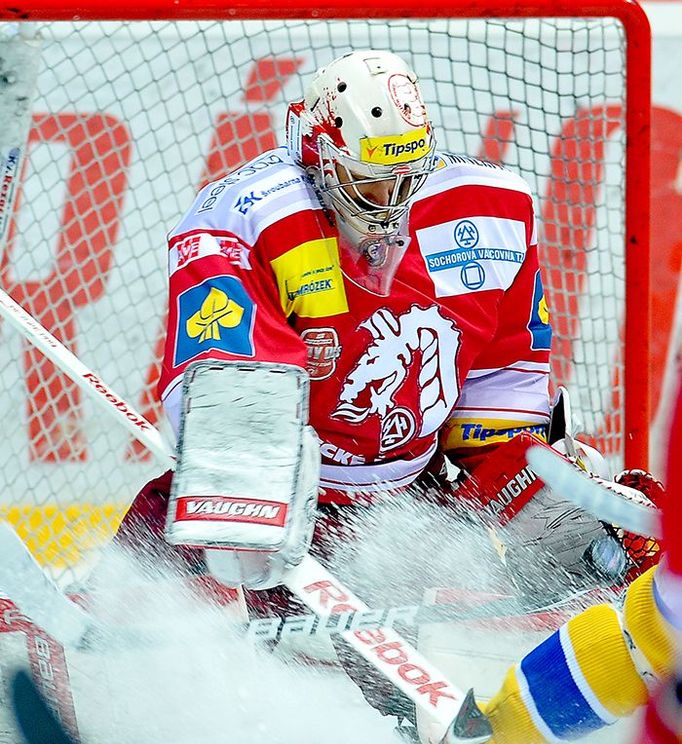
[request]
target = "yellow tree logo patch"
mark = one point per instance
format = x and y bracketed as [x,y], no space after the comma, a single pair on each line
[216,310]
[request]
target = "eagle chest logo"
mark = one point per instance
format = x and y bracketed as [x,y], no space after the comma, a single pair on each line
[420,343]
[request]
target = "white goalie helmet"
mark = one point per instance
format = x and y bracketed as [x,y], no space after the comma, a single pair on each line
[362,132]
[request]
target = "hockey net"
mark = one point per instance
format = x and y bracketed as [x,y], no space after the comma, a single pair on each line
[130,118]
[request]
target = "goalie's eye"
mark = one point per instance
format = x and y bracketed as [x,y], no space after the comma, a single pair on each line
[364,190]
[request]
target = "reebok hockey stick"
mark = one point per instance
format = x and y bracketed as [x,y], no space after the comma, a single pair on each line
[607,501]
[387,651]
[36,595]
[82,376]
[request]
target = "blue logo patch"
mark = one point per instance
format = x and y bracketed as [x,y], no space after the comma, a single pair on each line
[246,201]
[539,327]
[466,234]
[216,314]
[473,275]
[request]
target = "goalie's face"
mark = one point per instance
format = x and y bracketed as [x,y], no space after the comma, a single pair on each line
[378,200]
[367,193]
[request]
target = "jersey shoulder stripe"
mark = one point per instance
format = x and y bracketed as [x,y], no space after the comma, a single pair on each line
[456,171]
[250,199]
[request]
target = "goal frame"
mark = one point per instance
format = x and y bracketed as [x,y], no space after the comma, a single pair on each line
[637,373]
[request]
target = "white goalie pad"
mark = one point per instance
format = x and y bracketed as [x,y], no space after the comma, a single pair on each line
[248,463]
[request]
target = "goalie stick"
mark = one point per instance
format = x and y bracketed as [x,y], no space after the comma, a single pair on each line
[20,52]
[447,706]
[24,582]
[608,501]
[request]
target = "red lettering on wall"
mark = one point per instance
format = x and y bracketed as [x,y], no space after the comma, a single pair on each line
[497,136]
[568,222]
[100,154]
[239,137]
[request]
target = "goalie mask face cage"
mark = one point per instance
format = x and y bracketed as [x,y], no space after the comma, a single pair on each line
[369,197]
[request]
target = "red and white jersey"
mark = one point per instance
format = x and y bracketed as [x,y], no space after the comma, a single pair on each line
[459,349]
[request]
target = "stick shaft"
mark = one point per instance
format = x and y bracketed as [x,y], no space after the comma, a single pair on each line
[108,401]
[593,494]
[385,649]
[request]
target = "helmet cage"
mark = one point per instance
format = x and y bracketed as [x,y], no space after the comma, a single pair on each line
[345,197]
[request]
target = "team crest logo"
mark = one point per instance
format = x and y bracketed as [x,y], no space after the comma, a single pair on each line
[216,314]
[420,339]
[466,234]
[323,351]
[397,428]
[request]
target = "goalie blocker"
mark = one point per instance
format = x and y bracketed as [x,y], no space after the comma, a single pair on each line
[245,485]
[542,532]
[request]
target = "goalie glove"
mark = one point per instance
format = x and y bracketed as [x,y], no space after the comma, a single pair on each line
[245,486]
[542,535]
[642,551]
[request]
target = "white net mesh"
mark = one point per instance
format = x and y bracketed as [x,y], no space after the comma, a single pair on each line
[130,119]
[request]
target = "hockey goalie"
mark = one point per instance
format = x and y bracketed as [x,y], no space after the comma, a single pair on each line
[403,280]
[352,315]
[346,312]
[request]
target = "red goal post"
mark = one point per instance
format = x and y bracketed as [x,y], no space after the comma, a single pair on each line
[138,104]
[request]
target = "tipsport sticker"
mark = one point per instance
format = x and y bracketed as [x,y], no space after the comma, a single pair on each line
[392,150]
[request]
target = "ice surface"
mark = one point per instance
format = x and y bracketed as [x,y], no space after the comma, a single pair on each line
[193,678]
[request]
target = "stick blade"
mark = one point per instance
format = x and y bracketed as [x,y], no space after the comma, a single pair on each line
[470,726]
